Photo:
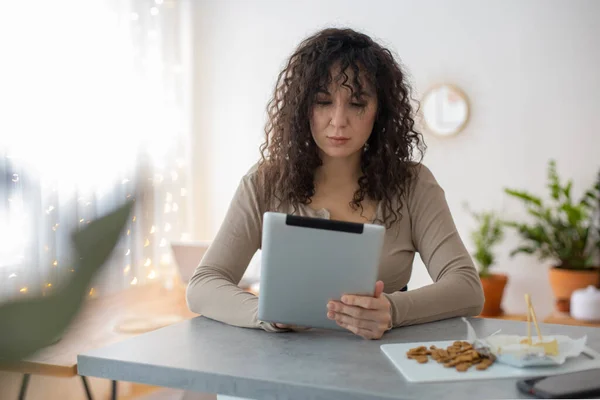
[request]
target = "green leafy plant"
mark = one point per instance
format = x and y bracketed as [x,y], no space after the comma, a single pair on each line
[489,233]
[561,229]
[27,325]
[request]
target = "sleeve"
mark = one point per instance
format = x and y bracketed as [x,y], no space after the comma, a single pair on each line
[212,290]
[457,289]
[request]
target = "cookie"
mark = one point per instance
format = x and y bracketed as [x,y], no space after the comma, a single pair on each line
[418,351]
[483,365]
[460,355]
[463,367]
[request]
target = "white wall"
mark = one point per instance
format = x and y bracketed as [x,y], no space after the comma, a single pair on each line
[530,68]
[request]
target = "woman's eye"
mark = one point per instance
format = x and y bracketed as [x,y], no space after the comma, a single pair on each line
[323,102]
[359,105]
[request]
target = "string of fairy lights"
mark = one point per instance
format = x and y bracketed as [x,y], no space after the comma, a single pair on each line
[154,256]
[143,254]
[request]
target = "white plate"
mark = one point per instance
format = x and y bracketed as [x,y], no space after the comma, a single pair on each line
[432,371]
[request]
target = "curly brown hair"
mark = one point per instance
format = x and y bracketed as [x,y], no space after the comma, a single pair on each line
[289,155]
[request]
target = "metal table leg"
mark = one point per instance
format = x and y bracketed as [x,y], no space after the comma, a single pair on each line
[24,384]
[86,387]
[114,390]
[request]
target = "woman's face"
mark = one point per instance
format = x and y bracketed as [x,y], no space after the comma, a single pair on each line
[342,120]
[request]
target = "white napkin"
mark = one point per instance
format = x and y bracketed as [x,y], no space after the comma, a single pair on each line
[509,350]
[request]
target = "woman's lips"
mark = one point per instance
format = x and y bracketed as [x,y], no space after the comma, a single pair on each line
[338,140]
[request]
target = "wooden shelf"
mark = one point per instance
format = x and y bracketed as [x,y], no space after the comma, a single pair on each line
[556,318]
[566,319]
[511,317]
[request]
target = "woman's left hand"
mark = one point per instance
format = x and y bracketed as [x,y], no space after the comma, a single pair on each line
[366,316]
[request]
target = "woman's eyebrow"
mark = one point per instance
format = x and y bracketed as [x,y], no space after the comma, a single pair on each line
[362,93]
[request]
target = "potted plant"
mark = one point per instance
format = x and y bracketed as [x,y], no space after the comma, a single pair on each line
[563,231]
[489,233]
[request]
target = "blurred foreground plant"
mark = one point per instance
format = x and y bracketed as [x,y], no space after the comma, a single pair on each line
[28,325]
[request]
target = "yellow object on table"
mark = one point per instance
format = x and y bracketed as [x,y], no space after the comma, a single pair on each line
[551,347]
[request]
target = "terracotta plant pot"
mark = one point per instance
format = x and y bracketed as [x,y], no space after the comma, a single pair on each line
[565,281]
[493,290]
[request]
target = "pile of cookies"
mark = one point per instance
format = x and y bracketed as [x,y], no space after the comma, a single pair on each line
[460,355]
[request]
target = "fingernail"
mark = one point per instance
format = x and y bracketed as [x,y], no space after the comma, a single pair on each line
[344,299]
[330,306]
[330,315]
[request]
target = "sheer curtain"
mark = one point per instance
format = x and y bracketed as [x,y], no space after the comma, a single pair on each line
[95,103]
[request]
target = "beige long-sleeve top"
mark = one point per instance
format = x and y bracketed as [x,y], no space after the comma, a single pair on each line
[426,227]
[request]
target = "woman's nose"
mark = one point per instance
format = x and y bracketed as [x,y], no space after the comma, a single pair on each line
[339,116]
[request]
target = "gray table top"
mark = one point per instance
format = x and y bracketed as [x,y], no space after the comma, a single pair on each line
[207,356]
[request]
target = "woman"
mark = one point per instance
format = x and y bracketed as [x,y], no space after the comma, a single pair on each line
[341,144]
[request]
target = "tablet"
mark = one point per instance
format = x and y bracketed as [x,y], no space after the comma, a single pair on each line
[308,261]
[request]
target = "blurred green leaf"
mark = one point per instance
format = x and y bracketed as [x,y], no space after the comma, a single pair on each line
[524,196]
[523,249]
[30,324]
